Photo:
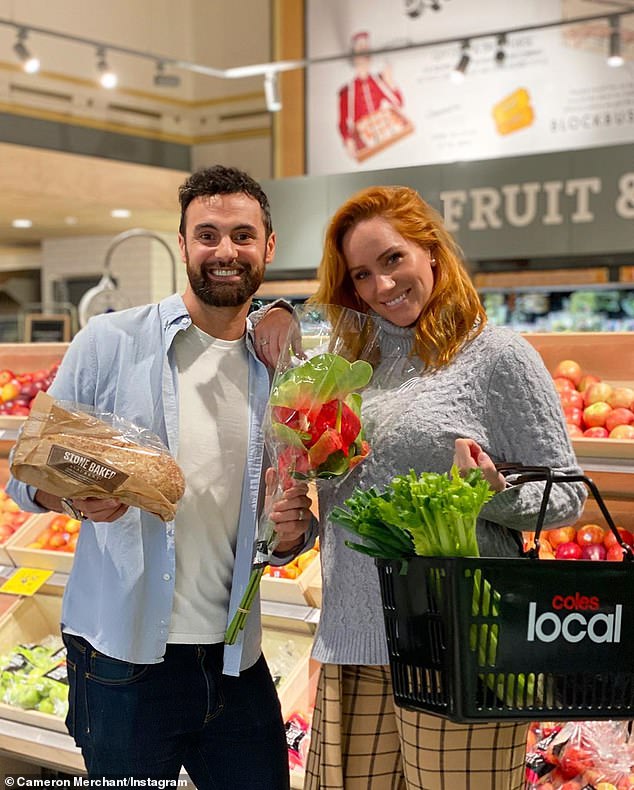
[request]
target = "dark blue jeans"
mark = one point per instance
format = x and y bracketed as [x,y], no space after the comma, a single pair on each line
[149,720]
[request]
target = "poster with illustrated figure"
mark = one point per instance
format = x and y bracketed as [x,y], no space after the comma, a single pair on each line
[382,88]
[371,115]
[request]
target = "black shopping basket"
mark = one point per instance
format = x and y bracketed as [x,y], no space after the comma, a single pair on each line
[478,639]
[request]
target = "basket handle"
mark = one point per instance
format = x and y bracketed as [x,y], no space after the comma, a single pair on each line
[527,474]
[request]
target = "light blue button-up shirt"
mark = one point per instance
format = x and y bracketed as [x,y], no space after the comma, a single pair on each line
[120,590]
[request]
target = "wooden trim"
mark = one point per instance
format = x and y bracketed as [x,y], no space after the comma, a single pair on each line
[237,134]
[289,124]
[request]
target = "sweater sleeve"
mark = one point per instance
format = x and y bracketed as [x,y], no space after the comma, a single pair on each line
[528,427]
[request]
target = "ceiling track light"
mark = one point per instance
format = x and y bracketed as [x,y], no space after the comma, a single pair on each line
[272,92]
[413,8]
[107,78]
[164,80]
[457,75]
[30,64]
[500,53]
[615,59]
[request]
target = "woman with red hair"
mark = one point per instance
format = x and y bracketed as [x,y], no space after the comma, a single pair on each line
[451,375]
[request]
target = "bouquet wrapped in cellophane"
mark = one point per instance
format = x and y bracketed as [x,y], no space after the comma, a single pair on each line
[313,427]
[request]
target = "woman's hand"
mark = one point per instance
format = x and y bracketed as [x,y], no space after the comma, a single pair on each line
[290,514]
[271,335]
[469,455]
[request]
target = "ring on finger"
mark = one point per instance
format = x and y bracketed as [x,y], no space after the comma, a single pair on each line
[263,342]
[300,514]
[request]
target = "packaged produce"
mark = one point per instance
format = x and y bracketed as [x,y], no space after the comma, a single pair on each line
[584,755]
[34,677]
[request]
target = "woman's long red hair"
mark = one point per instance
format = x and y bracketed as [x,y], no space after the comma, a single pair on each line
[453,313]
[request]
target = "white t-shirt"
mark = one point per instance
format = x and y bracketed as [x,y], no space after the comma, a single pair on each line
[213,419]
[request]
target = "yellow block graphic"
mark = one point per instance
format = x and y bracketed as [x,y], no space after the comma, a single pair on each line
[513,112]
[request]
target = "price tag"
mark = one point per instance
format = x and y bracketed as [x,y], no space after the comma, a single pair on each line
[26,581]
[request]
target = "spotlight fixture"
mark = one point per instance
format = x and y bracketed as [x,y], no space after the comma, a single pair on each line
[500,53]
[164,80]
[271,92]
[107,77]
[457,75]
[30,64]
[615,59]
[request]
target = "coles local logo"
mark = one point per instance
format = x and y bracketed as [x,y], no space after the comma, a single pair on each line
[572,619]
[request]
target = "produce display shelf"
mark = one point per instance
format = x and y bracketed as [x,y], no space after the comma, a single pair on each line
[44,747]
[608,449]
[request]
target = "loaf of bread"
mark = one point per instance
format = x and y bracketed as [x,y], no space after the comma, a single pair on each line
[72,454]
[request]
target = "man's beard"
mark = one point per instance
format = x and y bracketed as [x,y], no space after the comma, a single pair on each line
[230,294]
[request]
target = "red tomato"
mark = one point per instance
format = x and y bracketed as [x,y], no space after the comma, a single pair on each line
[560,535]
[568,551]
[283,572]
[562,384]
[615,553]
[5,532]
[571,398]
[5,376]
[590,533]
[574,761]
[573,415]
[610,540]
[568,369]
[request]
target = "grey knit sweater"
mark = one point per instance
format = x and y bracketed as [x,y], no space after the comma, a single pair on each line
[496,391]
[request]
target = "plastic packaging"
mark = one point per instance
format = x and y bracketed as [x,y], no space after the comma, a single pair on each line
[69,450]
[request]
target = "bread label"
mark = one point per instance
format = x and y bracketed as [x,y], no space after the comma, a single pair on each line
[84,468]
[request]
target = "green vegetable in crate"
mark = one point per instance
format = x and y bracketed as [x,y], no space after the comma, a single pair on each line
[433,515]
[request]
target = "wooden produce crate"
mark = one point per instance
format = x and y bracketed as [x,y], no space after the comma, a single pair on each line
[295,591]
[5,559]
[31,620]
[27,358]
[313,591]
[608,355]
[621,511]
[21,555]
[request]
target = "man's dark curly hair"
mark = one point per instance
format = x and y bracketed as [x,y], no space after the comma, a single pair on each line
[221,180]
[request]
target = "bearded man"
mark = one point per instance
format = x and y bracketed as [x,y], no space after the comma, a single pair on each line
[152,687]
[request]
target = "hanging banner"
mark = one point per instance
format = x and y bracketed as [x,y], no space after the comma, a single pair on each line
[537,91]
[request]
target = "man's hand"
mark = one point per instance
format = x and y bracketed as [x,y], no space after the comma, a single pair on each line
[100,509]
[93,508]
[469,455]
[290,514]
[272,335]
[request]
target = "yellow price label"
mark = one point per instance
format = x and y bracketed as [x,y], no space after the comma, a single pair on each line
[26,581]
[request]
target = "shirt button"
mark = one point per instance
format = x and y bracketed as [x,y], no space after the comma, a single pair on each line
[166,577]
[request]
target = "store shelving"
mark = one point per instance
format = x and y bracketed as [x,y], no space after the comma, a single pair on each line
[609,463]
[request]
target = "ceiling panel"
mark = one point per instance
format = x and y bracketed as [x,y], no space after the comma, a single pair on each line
[49,187]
